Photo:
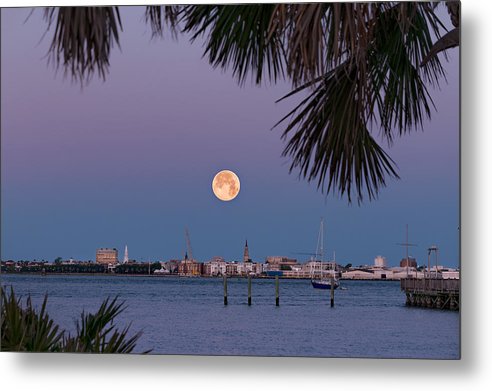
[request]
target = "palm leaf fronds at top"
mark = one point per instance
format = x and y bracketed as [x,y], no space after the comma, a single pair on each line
[328,133]
[329,141]
[160,16]
[83,38]
[238,37]
[381,57]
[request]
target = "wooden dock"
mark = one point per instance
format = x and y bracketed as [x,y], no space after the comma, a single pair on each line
[432,293]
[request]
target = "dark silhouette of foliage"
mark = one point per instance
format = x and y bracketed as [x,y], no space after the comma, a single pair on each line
[25,329]
[357,68]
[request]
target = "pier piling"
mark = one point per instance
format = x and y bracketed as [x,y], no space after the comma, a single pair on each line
[277,296]
[225,290]
[332,292]
[249,290]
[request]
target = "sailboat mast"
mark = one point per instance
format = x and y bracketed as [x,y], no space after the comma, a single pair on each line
[321,241]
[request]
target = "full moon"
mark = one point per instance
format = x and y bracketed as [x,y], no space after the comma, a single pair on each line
[226,185]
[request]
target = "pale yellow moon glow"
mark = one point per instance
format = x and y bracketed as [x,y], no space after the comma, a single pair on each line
[226,185]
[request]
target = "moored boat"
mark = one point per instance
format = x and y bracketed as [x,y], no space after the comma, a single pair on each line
[325,283]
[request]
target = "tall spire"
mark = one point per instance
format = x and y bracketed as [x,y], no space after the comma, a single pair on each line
[246,253]
[125,259]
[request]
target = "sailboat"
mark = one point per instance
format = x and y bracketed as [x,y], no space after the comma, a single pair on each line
[323,279]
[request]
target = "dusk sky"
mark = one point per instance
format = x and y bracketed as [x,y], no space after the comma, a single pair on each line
[130,161]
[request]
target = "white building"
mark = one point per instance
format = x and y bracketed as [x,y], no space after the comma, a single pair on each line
[217,266]
[380,261]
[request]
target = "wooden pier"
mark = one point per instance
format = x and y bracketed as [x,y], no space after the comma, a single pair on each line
[432,293]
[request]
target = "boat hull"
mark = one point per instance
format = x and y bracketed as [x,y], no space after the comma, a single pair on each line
[322,284]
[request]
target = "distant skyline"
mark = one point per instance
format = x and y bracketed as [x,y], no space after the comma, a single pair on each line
[130,161]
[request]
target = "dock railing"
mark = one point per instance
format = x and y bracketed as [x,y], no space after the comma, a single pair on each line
[432,292]
[430,285]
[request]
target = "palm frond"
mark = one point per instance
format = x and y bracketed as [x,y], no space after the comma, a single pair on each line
[25,329]
[239,37]
[31,330]
[453,7]
[449,40]
[96,332]
[320,36]
[380,86]
[367,66]
[397,84]
[329,140]
[83,39]
[160,16]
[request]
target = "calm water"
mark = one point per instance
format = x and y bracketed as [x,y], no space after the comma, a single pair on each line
[187,316]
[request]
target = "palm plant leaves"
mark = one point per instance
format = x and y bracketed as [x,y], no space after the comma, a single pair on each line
[83,39]
[238,36]
[452,38]
[328,134]
[160,16]
[395,81]
[329,140]
[25,329]
[358,66]
[96,333]
[30,330]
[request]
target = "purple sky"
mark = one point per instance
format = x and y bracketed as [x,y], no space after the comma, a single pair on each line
[130,161]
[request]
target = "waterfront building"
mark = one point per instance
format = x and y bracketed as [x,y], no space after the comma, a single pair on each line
[298,271]
[172,265]
[107,256]
[358,274]
[207,269]
[280,260]
[189,267]
[404,272]
[408,262]
[217,266]
[70,261]
[380,261]
[444,272]
[232,269]
[279,263]
[251,268]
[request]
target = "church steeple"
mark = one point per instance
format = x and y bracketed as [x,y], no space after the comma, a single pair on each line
[246,253]
[125,259]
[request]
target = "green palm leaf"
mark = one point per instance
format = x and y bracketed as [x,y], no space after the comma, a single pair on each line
[83,39]
[31,330]
[359,67]
[329,140]
[96,333]
[25,329]
[160,16]
[238,37]
[328,133]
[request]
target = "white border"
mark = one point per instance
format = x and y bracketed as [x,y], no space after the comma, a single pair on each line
[82,372]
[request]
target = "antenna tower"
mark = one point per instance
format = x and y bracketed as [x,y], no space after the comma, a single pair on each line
[406,245]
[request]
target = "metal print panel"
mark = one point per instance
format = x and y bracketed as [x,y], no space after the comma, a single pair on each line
[259,179]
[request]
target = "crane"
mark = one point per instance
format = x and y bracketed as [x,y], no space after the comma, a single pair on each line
[188,244]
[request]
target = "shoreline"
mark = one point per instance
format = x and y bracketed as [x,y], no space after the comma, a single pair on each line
[187,277]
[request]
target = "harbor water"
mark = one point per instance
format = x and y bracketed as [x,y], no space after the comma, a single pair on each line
[188,316]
